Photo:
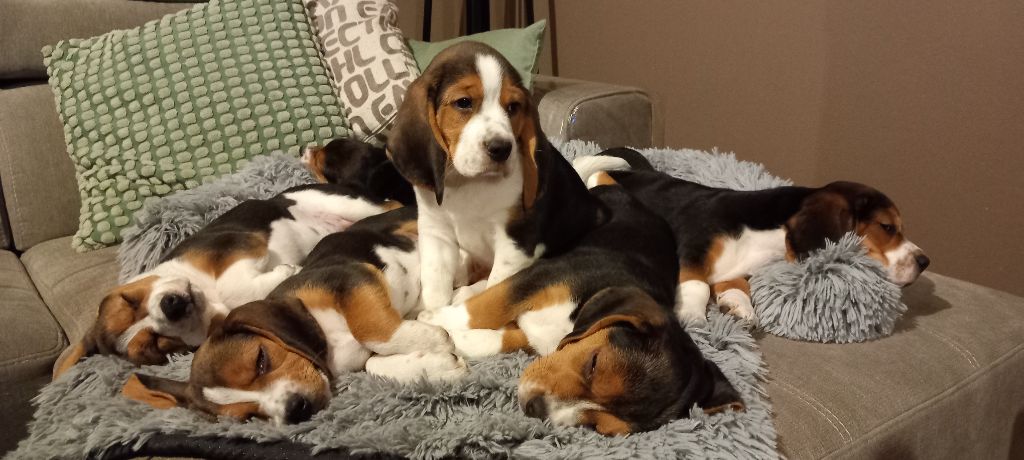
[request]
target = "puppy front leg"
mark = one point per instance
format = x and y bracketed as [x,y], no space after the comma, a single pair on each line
[692,295]
[480,343]
[245,281]
[439,261]
[509,259]
[491,309]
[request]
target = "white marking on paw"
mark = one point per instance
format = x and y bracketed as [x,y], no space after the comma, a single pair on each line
[737,303]
[692,303]
[450,317]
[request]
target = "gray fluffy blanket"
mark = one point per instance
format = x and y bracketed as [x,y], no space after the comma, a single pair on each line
[83,413]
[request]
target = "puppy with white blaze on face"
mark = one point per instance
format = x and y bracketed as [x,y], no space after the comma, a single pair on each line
[275,358]
[239,257]
[488,184]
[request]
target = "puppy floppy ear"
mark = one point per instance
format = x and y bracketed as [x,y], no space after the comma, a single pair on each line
[158,392]
[415,144]
[723,395]
[75,353]
[286,322]
[530,139]
[627,306]
[823,216]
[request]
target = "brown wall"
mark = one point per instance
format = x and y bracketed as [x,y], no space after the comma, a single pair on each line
[922,99]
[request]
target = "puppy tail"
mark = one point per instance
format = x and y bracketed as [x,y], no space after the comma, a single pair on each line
[588,166]
[637,162]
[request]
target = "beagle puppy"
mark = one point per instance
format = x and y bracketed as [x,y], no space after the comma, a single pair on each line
[239,257]
[361,165]
[613,356]
[723,236]
[487,182]
[274,359]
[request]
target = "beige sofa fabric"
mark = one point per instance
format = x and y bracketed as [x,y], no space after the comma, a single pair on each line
[959,353]
[72,284]
[33,24]
[37,175]
[29,342]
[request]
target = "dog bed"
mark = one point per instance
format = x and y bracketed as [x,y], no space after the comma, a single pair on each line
[82,414]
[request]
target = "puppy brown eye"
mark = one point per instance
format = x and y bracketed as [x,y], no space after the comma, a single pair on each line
[888,228]
[512,108]
[464,103]
[262,363]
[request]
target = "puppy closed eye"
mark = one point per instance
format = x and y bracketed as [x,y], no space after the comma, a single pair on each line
[888,228]
[131,301]
[590,366]
[262,363]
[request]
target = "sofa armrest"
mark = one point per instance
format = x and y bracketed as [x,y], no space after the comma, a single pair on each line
[609,115]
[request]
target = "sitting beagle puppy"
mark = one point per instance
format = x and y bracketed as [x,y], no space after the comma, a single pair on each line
[613,356]
[723,235]
[274,359]
[238,257]
[487,182]
[361,165]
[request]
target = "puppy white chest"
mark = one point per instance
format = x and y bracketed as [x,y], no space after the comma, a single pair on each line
[344,353]
[752,249]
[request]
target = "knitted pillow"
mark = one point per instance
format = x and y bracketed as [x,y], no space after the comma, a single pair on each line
[180,100]
[371,63]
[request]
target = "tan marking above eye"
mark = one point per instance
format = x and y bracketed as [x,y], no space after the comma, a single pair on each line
[451,120]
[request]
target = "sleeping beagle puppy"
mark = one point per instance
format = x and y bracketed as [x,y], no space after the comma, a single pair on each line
[723,235]
[613,356]
[239,257]
[486,180]
[274,359]
[361,165]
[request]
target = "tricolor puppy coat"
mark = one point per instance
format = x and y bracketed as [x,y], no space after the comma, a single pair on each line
[613,356]
[274,358]
[723,236]
[239,257]
[360,165]
[486,180]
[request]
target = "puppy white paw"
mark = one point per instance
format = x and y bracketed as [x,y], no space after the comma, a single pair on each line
[692,318]
[450,317]
[286,270]
[737,303]
[409,367]
[477,343]
[443,367]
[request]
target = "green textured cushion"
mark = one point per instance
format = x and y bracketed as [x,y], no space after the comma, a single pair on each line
[183,99]
[520,46]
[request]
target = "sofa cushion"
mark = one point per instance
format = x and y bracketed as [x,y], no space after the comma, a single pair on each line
[71,283]
[28,25]
[955,360]
[37,176]
[29,342]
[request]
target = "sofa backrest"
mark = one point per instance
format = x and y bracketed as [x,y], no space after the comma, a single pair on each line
[38,178]
[40,197]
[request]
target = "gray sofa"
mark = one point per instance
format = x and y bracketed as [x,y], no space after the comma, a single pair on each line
[948,384]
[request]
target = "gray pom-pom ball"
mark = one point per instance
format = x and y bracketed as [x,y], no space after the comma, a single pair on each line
[837,294]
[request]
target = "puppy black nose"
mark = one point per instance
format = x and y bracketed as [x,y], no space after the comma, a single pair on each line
[922,261]
[174,306]
[297,409]
[536,407]
[498,149]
